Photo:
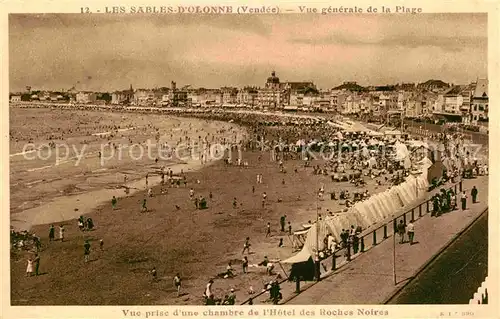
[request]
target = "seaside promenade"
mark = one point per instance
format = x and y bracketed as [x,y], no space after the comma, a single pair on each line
[368,279]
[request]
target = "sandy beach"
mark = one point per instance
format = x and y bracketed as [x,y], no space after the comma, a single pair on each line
[173,236]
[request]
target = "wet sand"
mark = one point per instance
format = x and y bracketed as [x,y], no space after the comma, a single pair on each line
[60,183]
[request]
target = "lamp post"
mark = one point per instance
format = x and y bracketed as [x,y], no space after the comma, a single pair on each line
[394,253]
[316,257]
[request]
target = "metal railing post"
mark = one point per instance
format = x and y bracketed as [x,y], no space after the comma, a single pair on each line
[420,210]
[374,237]
[413,214]
[363,244]
[385,231]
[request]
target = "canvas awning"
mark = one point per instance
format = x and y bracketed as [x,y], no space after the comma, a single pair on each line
[300,232]
[300,257]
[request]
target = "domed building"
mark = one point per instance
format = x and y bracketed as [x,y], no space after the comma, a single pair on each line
[273,82]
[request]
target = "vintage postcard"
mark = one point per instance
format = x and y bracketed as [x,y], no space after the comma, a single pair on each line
[250,160]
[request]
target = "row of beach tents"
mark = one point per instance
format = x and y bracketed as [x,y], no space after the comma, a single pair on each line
[366,214]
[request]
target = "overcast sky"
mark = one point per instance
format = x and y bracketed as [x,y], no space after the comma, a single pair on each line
[109,52]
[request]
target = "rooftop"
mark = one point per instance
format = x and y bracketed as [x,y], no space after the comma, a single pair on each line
[481,88]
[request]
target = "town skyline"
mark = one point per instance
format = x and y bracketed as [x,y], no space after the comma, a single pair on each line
[109,53]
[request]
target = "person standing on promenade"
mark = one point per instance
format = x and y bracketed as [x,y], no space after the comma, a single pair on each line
[401,231]
[355,243]
[473,194]
[463,198]
[268,232]
[411,231]
[144,206]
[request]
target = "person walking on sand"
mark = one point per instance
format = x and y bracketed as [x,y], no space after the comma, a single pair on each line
[246,245]
[282,223]
[410,229]
[86,248]
[144,205]
[473,194]
[37,264]
[245,265]
[177,284]
[125,178]
[51,233]
[113,202]
[268,232]
[154,274]
[61,233]
[209,294]
[29,268]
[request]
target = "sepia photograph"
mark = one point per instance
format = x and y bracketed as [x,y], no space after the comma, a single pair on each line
[209,158]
